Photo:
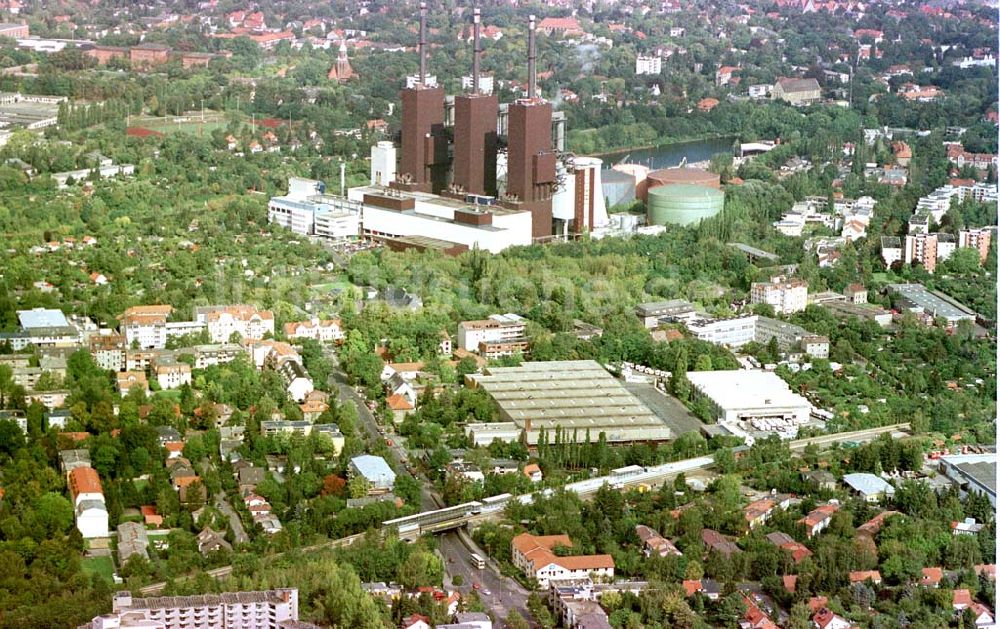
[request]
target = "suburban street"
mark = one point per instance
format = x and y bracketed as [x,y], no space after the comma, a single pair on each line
[498,593]
[239,535]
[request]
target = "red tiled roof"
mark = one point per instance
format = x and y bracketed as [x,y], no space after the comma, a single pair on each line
[84,480]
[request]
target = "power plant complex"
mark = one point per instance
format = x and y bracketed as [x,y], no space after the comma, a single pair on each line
[471,172]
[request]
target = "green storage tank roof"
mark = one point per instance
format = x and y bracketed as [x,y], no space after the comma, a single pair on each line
[682,204]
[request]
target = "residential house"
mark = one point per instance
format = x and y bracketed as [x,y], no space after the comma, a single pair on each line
[533,472]
[826,619]
[210,541]
[931,577]
[715,541]
[171,374]
[132,541]
[861,576]
[655,544]
[786,542]
[399,407]
[818,519]
[969,526]
[822,479]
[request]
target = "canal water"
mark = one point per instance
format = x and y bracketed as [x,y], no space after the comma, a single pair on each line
[670,155]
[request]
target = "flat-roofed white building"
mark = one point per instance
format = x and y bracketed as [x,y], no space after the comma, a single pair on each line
[247,610]
[505,328]
[785,296]
[744,395]
[389,213]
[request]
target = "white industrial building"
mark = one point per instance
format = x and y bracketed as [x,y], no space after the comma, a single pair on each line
[752,399]
[579,205]
[739,331]
[308,210]
[394,213]
[383,168]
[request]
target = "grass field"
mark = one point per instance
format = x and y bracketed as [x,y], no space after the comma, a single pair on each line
[191,123]
[99,565]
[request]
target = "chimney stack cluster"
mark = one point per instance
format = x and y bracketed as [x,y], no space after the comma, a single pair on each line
[531,160]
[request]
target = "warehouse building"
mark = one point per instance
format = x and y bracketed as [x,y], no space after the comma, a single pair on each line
[975,473]
[742,396]
[576,396]
[934,304]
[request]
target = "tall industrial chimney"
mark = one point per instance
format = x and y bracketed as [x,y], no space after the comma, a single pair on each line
[531,160]
[475,50]
[531,57]
[423,164]
[422,42]
[475,164]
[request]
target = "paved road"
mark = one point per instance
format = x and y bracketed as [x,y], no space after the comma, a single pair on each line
[499,594]
[239,535]
[338,379]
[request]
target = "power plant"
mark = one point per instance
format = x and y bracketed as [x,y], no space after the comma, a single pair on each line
[479,126]
[469,172]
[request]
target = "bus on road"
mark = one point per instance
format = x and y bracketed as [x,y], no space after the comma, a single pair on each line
[477,561]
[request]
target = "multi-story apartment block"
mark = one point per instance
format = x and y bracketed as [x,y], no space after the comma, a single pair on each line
[499,335]
[922,248]
[978,239]
[648,64]
[146,326]
[108,351]
[534,556]
[216,354]
[246,321]
[88,502]
[171,374]
[271,609]
[785,296]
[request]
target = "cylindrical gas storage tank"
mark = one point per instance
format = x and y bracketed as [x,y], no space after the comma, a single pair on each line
[669,176]
[682,204]
[639,173]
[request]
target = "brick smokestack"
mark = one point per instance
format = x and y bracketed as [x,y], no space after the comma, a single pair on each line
[423,163]
[476,132]
[531,161]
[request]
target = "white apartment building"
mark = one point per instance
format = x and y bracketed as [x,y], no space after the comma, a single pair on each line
[506,328]
[648,64]
[892,250]
[323,330]
[247,610]
[146,325]
[222,321]
[785,296]
[534,556]
[172,375]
